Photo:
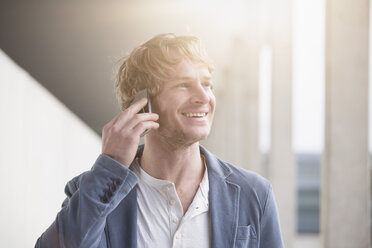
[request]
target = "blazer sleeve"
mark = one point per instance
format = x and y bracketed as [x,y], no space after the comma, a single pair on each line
[91,197]
[270,228]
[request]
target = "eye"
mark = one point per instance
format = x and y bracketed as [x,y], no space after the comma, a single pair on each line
[183,85]
[208,84]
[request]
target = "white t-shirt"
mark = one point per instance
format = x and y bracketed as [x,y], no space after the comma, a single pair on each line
[161,222]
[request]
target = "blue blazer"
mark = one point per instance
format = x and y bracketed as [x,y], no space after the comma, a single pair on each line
[101,208]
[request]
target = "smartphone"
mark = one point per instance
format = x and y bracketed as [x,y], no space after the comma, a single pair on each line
[138,96]
[147,109]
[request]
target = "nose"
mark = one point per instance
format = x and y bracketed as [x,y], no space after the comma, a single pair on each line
[201,95]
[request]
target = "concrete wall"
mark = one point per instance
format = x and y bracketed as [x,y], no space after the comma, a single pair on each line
[42,146]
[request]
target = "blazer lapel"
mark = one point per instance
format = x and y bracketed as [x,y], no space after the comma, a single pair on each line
[223,202]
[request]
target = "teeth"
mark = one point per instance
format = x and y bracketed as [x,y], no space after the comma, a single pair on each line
[195,114]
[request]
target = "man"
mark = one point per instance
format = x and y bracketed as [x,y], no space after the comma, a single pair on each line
[171,192]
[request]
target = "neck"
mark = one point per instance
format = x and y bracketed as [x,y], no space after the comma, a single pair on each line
[178,164]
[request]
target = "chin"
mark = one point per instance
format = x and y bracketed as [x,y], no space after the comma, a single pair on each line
[184,136]
[197,136]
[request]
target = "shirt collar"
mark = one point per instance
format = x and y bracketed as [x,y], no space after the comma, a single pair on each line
[201,200]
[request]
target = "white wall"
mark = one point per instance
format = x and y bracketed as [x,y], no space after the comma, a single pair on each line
[42,146]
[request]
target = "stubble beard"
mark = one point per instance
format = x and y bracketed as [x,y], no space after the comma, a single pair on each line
[177,139]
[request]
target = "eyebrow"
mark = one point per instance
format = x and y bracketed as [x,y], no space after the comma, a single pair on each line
[190,78]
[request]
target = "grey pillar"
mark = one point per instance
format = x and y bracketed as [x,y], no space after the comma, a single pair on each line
[281,158]
[345,208]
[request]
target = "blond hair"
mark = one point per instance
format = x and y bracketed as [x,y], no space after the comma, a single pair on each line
[149,64]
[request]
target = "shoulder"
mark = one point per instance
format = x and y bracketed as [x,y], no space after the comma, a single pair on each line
[233,173]
[247,180]
[253,187]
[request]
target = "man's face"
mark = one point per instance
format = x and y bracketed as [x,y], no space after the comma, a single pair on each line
[185,104]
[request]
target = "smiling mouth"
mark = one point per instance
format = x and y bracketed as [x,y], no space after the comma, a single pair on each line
[195,115]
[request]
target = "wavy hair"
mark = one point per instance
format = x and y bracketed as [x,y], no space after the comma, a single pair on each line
[149,64]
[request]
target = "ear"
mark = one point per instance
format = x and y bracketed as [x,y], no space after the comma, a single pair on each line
[134,91]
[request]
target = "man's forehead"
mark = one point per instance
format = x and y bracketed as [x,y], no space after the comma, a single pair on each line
[188,70]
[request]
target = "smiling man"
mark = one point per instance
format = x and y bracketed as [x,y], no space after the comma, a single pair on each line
[169,192]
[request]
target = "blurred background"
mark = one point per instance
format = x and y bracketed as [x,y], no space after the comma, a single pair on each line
[292,89]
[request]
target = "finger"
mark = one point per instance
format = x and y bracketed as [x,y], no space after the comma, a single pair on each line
[141,118]
[143,126]
[128,113]
[127,123]
[137,106]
